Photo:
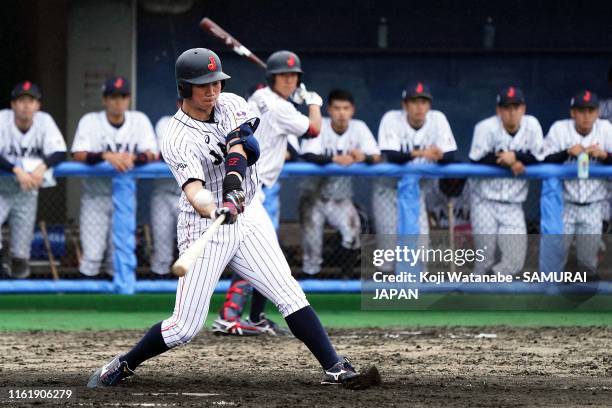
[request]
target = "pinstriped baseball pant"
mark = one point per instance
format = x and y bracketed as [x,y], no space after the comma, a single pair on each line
[248,246]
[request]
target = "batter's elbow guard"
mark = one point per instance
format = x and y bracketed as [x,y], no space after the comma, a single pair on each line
[243,135]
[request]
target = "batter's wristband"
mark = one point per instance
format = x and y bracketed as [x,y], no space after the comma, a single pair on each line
[231,182]
[236,162]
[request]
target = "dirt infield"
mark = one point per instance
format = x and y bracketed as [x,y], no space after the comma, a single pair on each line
[420,367]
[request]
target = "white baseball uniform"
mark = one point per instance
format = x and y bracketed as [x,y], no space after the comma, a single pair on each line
[332,199]
[584,199]
[395,133]
[164,212]
[95,134]
[497,203]
[605,112]
[249,246]
[26,150]
[279,120]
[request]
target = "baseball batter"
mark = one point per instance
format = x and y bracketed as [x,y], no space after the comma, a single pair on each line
[30,146]
[343,140]
[510,139]
[416,134]
[584,199]
[122,137]
[164,211]
[212,153]
[280,120]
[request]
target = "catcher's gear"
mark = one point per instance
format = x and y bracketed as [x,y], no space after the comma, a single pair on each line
[281,62]
[229,321]
[197,66]
[267,326]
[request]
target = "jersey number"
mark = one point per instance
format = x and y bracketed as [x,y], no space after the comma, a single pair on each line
[219,158]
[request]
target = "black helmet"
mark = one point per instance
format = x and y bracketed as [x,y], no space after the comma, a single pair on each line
[197,66]
[281,62]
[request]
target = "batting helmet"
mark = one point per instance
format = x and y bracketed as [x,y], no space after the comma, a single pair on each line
[281,62]
[197,66]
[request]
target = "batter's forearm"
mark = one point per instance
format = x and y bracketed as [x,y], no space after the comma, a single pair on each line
[199,198]
[314,117]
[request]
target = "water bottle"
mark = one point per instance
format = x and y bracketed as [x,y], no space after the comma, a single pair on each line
[583,165]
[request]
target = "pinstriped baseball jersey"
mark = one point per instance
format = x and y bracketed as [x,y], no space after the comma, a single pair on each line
[279,120]
[563,135]
[395,133]
[330,143]
[95,134]
[491,137]
[196,150]
[165,185]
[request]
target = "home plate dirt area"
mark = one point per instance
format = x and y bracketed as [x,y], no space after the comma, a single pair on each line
[420,367]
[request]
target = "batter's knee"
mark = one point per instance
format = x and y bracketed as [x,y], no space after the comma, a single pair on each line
[178,333]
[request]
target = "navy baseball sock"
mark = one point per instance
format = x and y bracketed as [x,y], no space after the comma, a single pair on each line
[152,344]
[306,327]
[258,304]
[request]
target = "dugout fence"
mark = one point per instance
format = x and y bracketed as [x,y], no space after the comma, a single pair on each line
[548,204]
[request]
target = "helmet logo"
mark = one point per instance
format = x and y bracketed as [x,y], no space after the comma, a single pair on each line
[419,88]
[27,85]
[511,92]
[213,64]
[118,83]
[291,61]
[587,96]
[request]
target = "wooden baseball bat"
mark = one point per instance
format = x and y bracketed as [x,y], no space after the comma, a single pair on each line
[191,254]
[43,231]
[213,28]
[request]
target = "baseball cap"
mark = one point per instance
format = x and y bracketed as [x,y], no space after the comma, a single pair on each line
[116,85]
[584,99]
[417,90]
[510,96]
[26,88]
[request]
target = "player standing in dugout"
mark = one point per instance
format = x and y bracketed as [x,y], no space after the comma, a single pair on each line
[30,145]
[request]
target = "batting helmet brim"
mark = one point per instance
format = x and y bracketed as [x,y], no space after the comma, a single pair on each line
[283,70]
[208,78]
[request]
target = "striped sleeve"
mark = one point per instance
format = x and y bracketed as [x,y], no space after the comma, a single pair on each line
[178,152]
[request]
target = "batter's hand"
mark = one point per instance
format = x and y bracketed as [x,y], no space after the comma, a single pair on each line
[233,204]
[297,96]
[506,158]
[230,215]
[313,98]
[575,150]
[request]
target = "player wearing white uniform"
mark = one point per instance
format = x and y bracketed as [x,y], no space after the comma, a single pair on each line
[513,140]
[584,199]
[164,211]
[123,138]
[343,140]
[280,120]
[30,144]
[209,126]
[605,112]
[415,134]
